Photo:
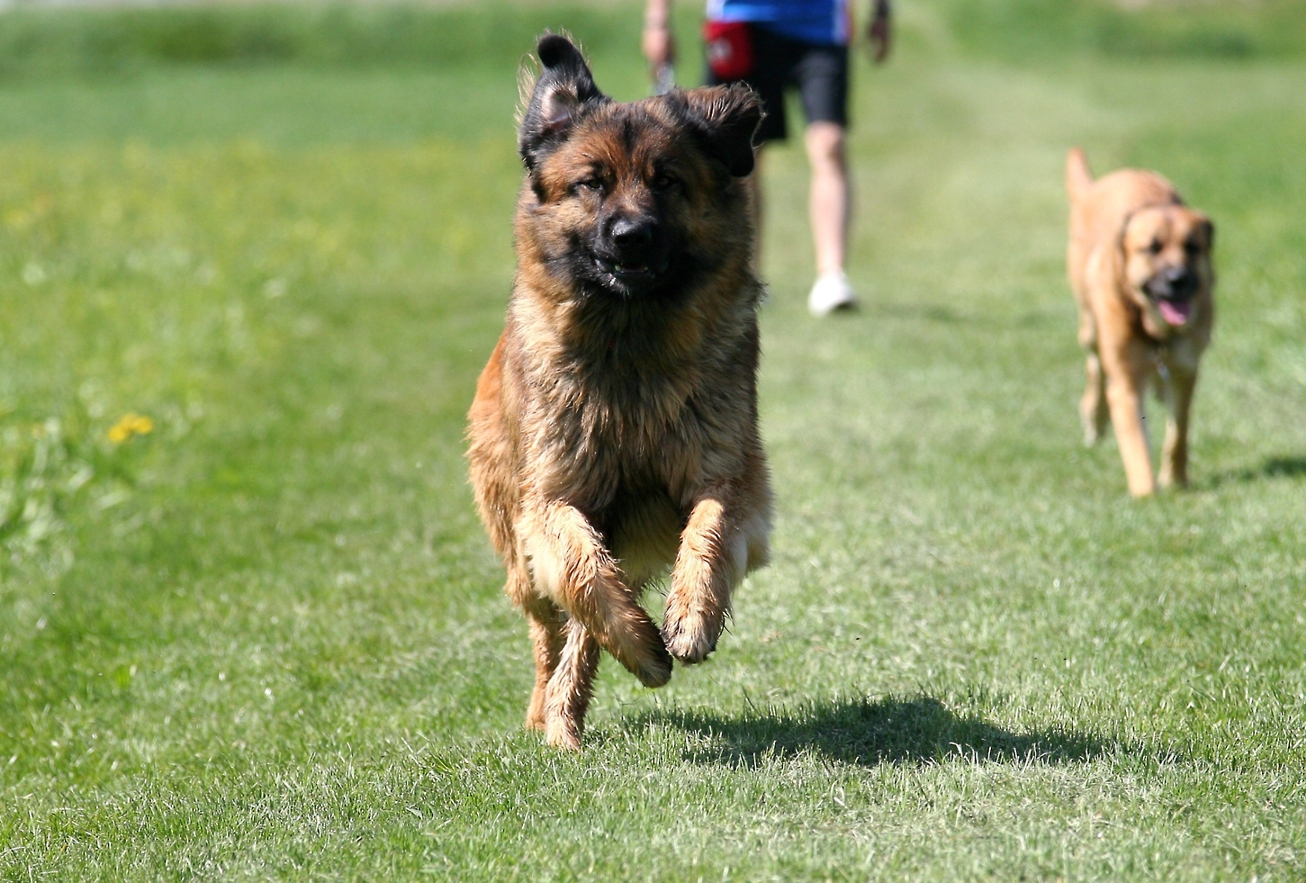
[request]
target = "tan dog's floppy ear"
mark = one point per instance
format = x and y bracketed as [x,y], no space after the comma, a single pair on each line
[1122,234]
[1115,258]
[726,118]
[1208,231]
[563,91]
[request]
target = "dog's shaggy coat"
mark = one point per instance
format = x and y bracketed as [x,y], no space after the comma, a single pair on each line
[614,434]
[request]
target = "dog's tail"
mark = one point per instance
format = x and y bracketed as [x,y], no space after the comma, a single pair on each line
[1078,176]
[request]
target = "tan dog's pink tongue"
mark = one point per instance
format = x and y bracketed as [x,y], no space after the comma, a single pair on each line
[1174,313]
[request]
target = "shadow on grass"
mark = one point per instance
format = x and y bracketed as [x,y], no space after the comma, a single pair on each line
[946,315]
[1271,467]
[899,731]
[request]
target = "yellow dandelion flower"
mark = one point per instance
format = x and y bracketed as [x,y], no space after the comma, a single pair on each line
[129,425]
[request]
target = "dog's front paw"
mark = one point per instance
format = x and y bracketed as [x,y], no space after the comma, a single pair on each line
[690,637]
[643,654]
[653,663]
[655,671]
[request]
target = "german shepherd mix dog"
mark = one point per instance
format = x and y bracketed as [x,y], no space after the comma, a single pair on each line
[1140,267]
[614,432]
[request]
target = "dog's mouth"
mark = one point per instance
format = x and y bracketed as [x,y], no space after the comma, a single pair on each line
[1175,312]
[1172,291]
[629,274]
[625,269]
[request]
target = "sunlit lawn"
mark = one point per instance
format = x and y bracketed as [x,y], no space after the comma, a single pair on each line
[266,637]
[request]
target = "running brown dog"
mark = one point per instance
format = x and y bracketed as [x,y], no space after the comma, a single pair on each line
[614,434]
[1140,267]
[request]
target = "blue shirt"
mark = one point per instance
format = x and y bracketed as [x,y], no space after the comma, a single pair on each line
[812,21]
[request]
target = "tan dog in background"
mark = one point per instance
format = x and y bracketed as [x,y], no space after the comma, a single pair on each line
[614,432]
[1139,263]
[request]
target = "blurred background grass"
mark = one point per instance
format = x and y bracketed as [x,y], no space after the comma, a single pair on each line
[1030,30]
[41,42]
[45,51]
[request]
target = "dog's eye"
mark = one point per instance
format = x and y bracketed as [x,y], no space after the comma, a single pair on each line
[664,181]
[1192,246]
[594,185]
[1154,247]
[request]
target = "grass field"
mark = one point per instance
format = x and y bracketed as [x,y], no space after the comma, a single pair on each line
[266,638]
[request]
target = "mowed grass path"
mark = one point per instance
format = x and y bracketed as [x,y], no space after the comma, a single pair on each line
[267,639]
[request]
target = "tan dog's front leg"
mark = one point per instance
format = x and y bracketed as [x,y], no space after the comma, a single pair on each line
[571,566]
[712,558]
[1125,384]
[1174,451]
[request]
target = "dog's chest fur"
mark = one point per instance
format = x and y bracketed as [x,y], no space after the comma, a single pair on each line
[621,403]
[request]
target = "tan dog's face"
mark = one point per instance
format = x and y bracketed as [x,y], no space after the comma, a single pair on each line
[1167,256]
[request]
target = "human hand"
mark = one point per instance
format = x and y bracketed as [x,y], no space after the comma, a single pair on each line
[659,45]
[880,31]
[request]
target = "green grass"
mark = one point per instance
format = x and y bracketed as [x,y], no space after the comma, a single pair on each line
[267,639]
[1019,30]
[43,42]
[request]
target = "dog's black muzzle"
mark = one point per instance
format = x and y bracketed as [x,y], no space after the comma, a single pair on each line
[1174,284]
[631,251]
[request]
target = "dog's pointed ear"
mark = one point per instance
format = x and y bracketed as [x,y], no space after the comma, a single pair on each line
[726,118]
[561,94]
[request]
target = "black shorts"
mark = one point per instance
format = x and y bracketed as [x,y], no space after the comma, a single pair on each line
[820,73]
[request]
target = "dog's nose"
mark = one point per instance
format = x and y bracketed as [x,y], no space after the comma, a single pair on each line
[1181,281]
[632,232]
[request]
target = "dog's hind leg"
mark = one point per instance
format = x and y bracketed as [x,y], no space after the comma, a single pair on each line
[1093,409]
[547,623]
[1094,412]
[568,692]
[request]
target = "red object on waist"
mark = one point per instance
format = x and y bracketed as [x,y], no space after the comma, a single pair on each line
[729,48]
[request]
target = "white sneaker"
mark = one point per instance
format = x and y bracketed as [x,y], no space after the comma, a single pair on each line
[831,292]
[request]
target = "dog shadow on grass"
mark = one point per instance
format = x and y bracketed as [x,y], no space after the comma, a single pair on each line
[863,732]
[1270,468]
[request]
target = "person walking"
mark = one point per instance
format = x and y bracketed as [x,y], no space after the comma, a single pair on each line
[777,44]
